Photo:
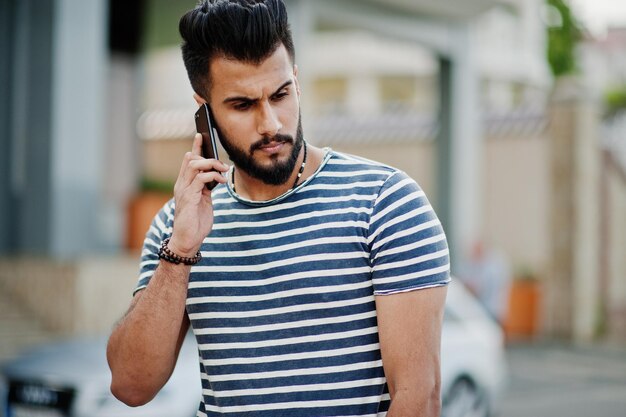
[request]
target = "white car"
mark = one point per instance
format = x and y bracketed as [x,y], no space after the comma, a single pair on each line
[473,363]
[71,379]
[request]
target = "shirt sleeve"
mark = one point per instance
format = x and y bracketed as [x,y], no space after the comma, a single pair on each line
[159,230]
[408,247]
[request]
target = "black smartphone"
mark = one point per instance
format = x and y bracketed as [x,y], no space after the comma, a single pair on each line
[205,126]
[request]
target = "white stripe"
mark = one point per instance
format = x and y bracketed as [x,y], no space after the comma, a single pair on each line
[295,405]
[314,201]
[285,326]
[169,208]
[337,174]
[335,240]
[150,262]
[288,341]
[347,159]
[148,241]
[306,215]
[279,294]
[321,257]
[398,203]
[414,288]
[297,372]
[406,277]
[278,279]
[367,415]
[158,232]
[146,274]
[407,232]
[147,252]
[153,231]
[414,261]
[348,186]
[297,388]
[406,248]
[279,310]
[286,233]
[218,192]
[160,224]
[291,357]
[394,188]
[411,215]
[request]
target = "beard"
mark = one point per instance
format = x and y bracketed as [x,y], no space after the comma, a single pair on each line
[279,171]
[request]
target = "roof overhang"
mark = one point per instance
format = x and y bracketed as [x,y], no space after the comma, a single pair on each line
[434,24]
[446,9]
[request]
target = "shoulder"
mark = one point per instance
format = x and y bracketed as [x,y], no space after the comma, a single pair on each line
[358,167]
[342,162]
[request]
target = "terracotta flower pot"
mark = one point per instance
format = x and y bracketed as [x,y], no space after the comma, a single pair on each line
[523,310]
[141,210]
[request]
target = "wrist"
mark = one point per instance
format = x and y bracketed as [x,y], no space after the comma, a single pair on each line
[181,249]
[167,254]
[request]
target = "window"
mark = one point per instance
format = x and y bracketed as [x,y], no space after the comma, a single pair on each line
[330,95]
[397,91]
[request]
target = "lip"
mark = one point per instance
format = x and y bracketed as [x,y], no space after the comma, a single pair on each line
[272,147]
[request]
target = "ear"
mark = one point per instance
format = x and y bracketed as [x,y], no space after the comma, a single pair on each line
[199,99]
[295,76]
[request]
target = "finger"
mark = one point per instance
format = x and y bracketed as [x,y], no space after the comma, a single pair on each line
[204,178]
[196,148]
[183,165]
[186,174]
[202,165]
[194,164]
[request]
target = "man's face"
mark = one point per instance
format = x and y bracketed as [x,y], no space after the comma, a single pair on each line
[257,111]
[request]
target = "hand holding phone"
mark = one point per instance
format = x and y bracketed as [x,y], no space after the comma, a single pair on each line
[205,126]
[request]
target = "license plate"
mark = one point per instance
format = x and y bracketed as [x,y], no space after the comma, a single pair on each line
[17,410]
[36,399]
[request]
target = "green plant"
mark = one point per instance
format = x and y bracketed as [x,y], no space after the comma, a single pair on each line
[563,35]
[161,186]
[615,99]
[525,273]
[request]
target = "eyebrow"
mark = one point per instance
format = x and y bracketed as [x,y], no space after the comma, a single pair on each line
[248,99]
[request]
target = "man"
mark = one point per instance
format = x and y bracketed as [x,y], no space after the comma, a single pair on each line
[488,277]
[304,301]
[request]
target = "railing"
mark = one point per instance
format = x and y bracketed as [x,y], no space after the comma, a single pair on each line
[613,138]
[398,125]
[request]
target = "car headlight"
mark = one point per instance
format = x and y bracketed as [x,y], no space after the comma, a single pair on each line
[4,395]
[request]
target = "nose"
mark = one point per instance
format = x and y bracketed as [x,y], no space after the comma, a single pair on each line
[268,124]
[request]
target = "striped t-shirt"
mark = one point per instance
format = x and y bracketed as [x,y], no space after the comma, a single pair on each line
[282,302]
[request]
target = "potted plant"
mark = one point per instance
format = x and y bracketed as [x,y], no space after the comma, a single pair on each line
[143,207]
[522,320]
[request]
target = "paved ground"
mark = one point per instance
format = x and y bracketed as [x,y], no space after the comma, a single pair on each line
[559,380]
[19,329]
[546,380]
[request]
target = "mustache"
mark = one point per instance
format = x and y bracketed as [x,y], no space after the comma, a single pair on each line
[279,138]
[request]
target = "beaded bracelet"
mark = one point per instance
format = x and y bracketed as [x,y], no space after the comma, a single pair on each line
[166,254]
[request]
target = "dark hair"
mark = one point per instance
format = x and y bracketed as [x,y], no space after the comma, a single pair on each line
[243,30]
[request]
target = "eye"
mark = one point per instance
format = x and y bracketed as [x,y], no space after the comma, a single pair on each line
[242,106]
[280,96]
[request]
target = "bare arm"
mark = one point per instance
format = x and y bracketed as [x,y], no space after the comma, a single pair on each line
[144,346]
[409,326]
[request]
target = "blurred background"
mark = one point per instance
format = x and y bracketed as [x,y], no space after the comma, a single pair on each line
[511,115]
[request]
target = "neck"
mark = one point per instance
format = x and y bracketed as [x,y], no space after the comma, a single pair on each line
[256,190]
